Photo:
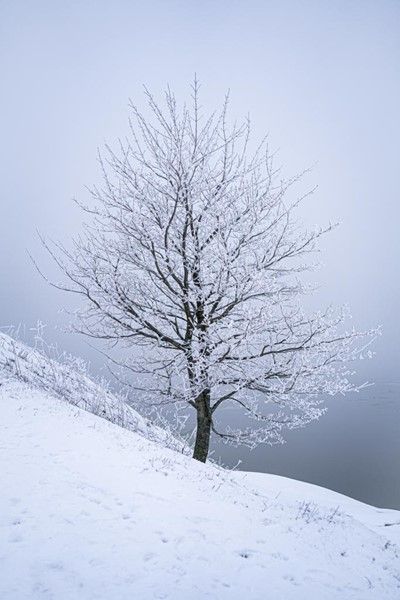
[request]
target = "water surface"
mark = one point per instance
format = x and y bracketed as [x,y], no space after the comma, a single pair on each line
[353,449]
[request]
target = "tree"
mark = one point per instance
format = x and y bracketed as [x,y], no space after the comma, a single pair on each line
[192,256]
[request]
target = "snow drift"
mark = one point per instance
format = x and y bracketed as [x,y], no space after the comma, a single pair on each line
[90,510]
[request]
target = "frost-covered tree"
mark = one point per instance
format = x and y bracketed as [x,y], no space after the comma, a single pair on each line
[192,260]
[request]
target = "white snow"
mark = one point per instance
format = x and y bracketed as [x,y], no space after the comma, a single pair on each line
[89,510]
[67,379]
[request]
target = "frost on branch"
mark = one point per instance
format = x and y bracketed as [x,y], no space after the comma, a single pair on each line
[191,261]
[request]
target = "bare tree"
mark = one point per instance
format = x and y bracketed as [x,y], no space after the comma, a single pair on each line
[193,255]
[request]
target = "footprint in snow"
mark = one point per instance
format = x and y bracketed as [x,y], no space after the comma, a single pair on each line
[149,556]
[55,566]
[247,553]
[15,539]
[279,556]
[291,579]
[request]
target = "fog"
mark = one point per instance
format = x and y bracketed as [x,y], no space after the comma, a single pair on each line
[321,78]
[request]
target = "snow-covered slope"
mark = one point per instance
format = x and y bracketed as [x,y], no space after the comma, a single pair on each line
[69,382]
[89,510]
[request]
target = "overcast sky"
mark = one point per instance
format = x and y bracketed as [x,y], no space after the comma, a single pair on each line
[321,77]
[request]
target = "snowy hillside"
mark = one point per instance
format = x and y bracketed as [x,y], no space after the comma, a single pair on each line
[90,510]
[68,381]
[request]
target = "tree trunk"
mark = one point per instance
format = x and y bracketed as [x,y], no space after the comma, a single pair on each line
[203,432]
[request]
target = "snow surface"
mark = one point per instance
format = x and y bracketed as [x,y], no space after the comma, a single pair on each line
[90,510]
[69,381]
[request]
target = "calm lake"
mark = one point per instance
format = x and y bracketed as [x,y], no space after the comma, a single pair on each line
[353,449]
